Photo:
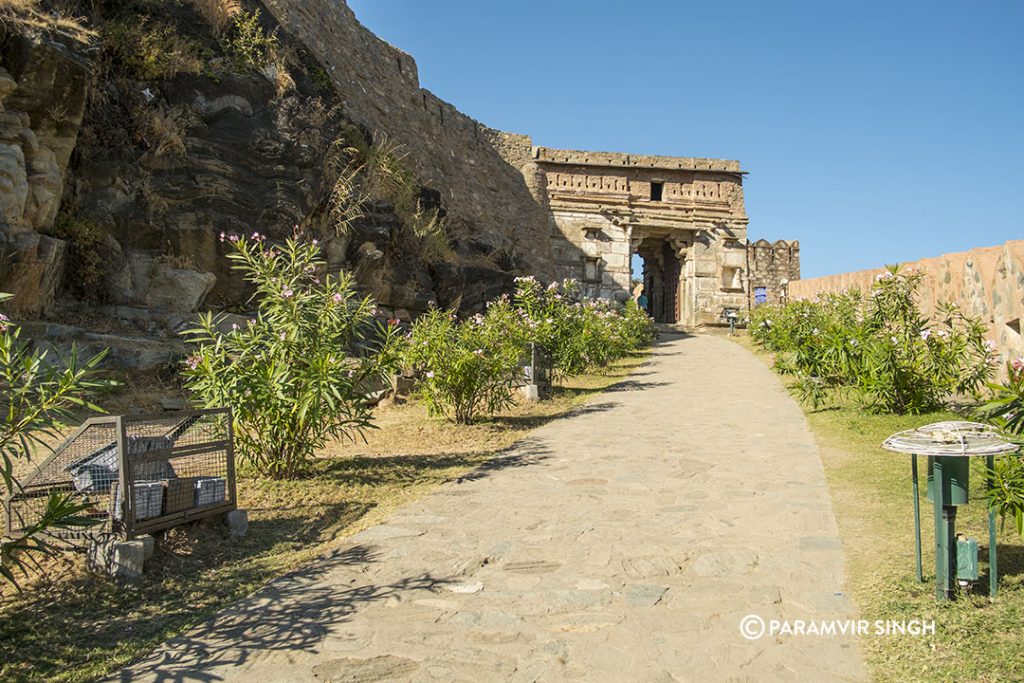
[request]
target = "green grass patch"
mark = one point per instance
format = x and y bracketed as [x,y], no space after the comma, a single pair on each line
[976,639]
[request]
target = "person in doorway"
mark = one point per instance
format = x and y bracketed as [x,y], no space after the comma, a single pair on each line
[642,301]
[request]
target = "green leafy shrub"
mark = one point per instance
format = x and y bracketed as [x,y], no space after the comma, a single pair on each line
[579,335]
[1005,410]
[470,366]
[300,371]
[893,358]
[37,398]
[251,46]
[149,49]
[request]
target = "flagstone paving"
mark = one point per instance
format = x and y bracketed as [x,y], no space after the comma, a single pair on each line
[623,543]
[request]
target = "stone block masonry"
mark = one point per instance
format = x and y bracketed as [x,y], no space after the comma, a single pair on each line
[771,267]
[987,282]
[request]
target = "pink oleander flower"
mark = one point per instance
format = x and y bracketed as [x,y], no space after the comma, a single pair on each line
[990,346]
[925,334]
[234,327]
[222,236]
[316,242]
[1017,363]
[282,336]
[393,321]
[192,362]
[338,298]
[287,293]
[479,352]
[233,238]
[430,374]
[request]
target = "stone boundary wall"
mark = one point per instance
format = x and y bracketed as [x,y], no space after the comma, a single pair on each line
[987,282]
[477,169]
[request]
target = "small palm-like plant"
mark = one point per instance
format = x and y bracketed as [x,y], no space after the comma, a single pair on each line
[37,398]
[1005,410]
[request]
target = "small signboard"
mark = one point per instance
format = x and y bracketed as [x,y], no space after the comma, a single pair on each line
[760,295]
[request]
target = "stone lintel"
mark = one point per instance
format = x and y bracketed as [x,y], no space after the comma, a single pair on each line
[647,161]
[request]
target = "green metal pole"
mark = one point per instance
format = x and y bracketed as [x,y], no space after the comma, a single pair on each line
[945,516]
[917,516]
[993,569]
[940,568]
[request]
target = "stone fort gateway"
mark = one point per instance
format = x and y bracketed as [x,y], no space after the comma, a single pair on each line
[685,217]
[253,159]
[568,214]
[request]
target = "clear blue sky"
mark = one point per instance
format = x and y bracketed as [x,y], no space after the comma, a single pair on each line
[873,132]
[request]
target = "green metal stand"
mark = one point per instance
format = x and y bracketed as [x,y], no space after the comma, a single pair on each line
[947,482]
[949,447]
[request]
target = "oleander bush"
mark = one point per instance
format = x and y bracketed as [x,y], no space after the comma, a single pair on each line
[879,348]
[579,335]
[300,371]
[467,367]
[473,366]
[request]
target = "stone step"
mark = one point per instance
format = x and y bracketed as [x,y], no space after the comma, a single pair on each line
[139,353]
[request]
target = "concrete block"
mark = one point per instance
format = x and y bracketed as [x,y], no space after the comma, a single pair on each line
[237,522]
[117,558]
[531,392]
[148,545]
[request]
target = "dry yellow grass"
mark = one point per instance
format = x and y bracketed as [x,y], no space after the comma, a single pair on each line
[18,5]
[218,13]
[27,12]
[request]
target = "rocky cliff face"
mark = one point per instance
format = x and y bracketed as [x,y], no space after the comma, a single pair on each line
[44,83]
[130,139]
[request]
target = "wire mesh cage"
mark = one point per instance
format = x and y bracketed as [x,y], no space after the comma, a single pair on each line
[954,438]
[135,474]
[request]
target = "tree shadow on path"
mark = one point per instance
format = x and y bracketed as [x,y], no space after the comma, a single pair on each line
[295,612]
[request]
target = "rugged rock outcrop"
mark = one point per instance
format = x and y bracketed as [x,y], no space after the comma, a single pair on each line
[44,83]
[130,142]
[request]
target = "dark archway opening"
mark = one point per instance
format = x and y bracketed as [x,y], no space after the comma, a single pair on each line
[661,272]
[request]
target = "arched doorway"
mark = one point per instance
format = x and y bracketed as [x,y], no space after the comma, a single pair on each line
[661,275]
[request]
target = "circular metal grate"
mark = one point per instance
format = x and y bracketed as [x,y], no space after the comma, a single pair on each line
[953,438]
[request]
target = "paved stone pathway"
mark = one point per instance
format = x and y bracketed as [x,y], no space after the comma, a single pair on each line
[624,543]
